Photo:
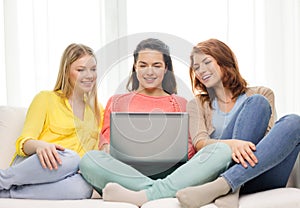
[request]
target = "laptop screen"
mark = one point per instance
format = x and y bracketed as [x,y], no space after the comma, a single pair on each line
[150,142]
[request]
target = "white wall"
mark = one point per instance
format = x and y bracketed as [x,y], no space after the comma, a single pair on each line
[264,34]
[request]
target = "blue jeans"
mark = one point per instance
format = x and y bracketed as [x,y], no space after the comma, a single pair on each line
[26,178]
[276,152]
[250,121]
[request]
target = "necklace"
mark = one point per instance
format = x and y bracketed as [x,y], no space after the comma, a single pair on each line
[225,102]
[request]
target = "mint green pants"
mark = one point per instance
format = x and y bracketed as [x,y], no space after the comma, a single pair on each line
[99,168]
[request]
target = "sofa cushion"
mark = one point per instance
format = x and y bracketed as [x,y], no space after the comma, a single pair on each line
[85,203]
[170,203]
[276,198]
[11,124]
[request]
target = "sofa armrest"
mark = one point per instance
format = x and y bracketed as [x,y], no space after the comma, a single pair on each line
[11,124]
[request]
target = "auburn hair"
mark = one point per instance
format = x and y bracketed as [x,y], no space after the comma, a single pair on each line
[227,61]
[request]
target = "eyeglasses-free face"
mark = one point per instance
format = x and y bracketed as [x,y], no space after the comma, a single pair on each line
[150,70]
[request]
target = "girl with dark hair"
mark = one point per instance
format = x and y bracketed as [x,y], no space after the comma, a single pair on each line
[169,81]
[226,111]
[151,85]
[152,88]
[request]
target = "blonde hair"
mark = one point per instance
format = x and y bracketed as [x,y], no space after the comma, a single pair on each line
[63,86]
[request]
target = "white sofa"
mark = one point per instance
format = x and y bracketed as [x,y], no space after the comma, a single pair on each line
[11,122]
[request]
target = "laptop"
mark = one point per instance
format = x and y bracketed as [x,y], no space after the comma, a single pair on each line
[154,143]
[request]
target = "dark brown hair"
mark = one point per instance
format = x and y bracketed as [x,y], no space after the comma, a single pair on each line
[169,82]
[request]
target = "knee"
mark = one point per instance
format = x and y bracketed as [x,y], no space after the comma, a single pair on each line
[291,120]
[67,153]
[224,149]
[260,103]
[89,158]
[69,158]
[91,161]
[226,152]
[259,100]
[85,162]
[219,149]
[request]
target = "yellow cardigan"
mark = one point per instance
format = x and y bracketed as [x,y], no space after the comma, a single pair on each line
[50,118]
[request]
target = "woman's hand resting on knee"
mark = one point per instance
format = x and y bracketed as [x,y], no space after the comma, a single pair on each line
[242,152]
[46,152]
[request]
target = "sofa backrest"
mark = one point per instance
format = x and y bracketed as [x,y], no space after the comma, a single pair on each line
[11,124]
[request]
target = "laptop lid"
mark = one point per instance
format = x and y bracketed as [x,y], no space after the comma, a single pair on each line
[150,142]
